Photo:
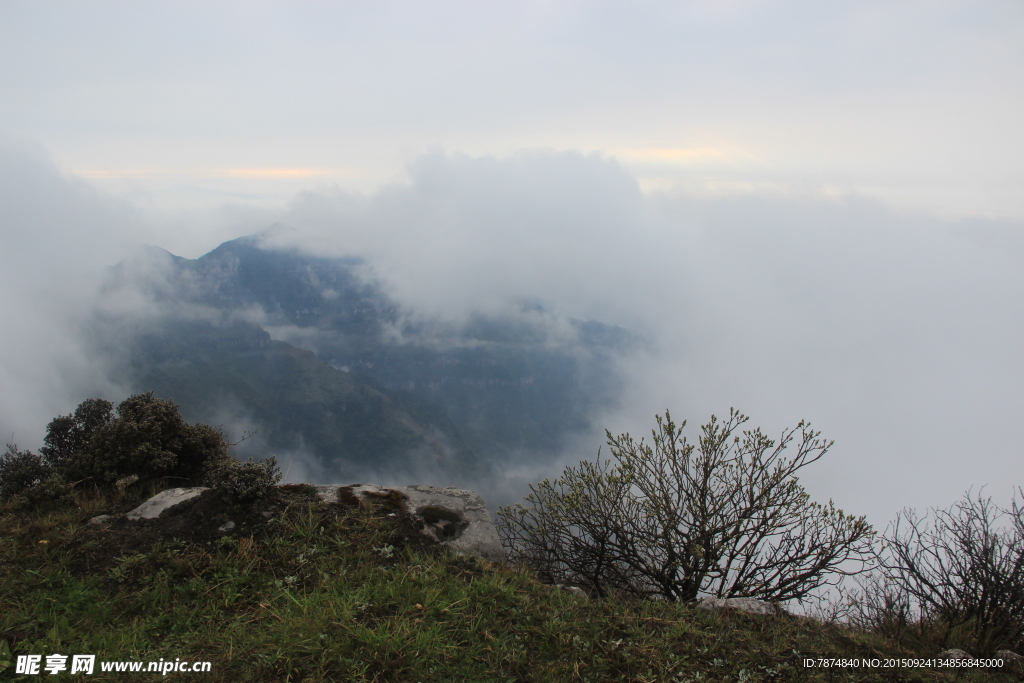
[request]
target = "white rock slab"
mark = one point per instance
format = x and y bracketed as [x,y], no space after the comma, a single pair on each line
[456,518]
[748,605]
[164,500]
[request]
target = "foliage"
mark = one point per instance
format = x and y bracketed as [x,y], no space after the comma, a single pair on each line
[67,436]
[725,517]
[146,438]
[20,470]
[958,572]
[250,480]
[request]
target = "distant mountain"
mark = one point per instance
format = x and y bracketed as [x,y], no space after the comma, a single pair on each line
[315,356]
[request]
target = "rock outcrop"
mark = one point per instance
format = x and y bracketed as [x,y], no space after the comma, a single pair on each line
[748,605]
[455,518]
[571,590]
[152,508]
[164,500]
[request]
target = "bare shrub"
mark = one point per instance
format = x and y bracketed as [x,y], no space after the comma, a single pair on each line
[876,605]
[962,571]
[725,516]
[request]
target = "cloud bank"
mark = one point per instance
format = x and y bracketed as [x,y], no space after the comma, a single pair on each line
[56,236]
[894,333]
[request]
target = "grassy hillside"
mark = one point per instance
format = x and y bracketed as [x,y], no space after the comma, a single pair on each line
[303,591]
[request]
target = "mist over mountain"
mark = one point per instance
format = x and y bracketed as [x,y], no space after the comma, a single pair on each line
[339,380]
[895,333]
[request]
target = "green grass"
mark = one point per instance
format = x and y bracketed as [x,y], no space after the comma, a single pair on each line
[327,593]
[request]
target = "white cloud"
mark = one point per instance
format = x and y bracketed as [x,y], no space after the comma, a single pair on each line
[896,333]
[914,102]
[892,331]
[57,234]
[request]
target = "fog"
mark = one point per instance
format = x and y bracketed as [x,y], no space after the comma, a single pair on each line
[896,333]
[57,235]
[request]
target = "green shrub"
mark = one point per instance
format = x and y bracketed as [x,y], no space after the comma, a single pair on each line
[247,481]
[146,437]
[20,470]
[54,489]
[68,436]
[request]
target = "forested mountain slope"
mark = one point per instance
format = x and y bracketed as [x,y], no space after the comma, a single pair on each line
[316,356]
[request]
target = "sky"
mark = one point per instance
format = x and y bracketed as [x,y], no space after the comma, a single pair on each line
[812,209]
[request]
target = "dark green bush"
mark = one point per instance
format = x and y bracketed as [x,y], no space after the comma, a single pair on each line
[20,470]
[150,439]
[146,437]
[67,436]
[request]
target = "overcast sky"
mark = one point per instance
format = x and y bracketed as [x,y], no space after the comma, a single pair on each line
[813,209]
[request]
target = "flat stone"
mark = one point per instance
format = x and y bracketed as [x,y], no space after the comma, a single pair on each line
[101,519]
[226,527]
[456,518]
[164,500]
[1008,656]
[327,493]
[748,605]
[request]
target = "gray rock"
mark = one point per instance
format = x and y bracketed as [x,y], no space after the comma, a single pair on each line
[101,519]
[572,590]
[226,527]
[327,493]
[455,518]
[164,500]
[1008,656]
[748,605]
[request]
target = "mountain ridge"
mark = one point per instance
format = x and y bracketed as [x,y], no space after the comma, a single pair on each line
[296,344]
